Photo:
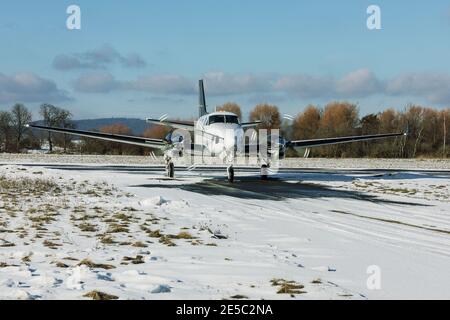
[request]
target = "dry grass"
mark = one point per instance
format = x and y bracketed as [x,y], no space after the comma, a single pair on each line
[28,185]
[134,260]
[51,245]
[167,241]
[88,263]
[87,227]
[287,287]
[140,244]
[61,265]
[154,234]
[183,235]
[117,228]
[106,239]
[239,297]
[98,295]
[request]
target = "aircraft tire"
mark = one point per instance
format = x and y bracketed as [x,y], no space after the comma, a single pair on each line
[230,174]
[170,170]
[264,173]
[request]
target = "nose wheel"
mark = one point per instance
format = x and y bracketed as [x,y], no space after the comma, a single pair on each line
[170,170]
[264,172]
[230,174]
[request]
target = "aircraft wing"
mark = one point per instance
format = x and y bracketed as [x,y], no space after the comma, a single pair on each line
[138,141]
[250,124]
[328,141]
[174,124]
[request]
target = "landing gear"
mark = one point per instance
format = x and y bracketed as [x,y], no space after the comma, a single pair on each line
[230,174]
[170,168]
[264,172]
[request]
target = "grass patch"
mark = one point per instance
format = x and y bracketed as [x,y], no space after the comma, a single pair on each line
[136,260]
[140,244]
[167,241]
[87,227]
[287,287]
[106,239]
[239,297]
[61,265]
[51,245]
[36,186]
[122,216]
[154,234]
[7,244]
[98,295]
[183,235]
[88,263]
[211,244]
[117,228]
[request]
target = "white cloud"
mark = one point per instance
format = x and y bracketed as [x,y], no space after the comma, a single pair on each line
[360,83]
[97,58]
[161,84]
[29,87]
[96,82]
[220,83]
[434,86]
[305,86]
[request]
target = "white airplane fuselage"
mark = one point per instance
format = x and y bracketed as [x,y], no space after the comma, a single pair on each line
[220,132]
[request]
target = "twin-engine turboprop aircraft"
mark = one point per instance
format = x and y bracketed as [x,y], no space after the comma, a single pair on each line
[216,134]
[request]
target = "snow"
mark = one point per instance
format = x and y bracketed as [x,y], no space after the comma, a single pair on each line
[64,233]
[155,201]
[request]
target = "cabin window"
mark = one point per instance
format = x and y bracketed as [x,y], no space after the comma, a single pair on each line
[216,119]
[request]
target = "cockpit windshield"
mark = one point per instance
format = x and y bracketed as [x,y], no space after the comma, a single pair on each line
[232,119]
[216,119]
[223,119]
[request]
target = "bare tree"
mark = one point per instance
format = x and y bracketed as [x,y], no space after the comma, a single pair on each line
[56,117]
[20,117]
[5,130]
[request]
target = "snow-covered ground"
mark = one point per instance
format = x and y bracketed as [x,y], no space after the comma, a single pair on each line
[135,235]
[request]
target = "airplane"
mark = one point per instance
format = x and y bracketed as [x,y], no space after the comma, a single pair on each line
[215,134]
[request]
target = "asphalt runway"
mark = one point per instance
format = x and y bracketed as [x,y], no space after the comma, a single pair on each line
[240,170]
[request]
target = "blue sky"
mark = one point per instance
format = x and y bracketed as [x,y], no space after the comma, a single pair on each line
[143,58]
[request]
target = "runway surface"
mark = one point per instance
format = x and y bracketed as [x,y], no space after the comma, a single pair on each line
[285,184]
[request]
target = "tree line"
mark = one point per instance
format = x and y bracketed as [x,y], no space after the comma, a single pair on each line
[427,128]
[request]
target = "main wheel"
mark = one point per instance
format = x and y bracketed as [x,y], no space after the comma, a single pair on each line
[264,172]
[170,170]
[230,174]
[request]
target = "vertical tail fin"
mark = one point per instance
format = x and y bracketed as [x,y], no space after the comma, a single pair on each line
[201,101]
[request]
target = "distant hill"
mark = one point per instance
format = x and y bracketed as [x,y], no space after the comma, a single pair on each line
[137,126]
